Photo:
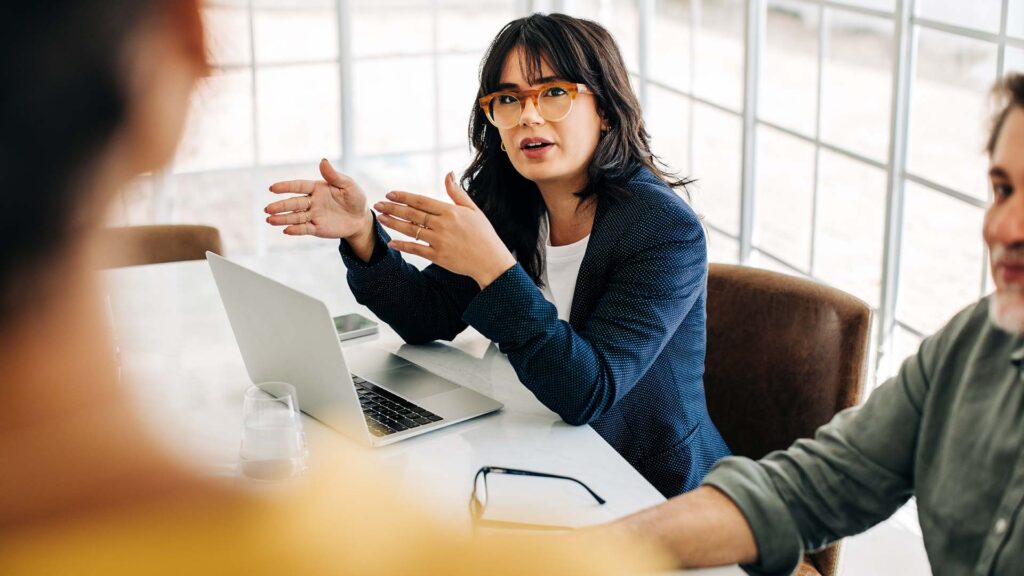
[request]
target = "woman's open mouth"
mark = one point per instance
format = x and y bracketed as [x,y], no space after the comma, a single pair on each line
[535,148]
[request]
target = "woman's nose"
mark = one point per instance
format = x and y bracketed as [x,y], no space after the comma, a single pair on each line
[531,115]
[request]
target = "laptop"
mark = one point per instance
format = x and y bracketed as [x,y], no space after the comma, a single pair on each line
[373,397]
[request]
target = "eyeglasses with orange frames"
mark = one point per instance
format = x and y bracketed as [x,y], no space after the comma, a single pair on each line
[553,101]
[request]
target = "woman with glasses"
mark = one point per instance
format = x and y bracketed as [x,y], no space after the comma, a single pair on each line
[565,244]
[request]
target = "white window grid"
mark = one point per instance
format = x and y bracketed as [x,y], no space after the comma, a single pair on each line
[163,182]
[907,26]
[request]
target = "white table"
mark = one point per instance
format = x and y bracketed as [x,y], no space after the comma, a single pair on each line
[180,359]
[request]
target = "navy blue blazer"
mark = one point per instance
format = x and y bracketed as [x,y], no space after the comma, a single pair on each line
[630,361]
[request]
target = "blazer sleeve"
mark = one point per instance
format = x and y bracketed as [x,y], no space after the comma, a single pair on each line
[658,274]
[420,305]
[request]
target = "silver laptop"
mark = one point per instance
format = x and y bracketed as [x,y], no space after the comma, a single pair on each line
[287,336]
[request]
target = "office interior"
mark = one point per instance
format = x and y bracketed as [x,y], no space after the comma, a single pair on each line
[840,141]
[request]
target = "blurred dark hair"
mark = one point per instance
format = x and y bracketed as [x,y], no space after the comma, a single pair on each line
[578,51]
[1009,94]
[64,65]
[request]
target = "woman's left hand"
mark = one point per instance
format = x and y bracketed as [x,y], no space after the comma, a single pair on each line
[456,237]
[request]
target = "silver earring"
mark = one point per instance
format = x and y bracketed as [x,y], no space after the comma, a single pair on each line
[503,147]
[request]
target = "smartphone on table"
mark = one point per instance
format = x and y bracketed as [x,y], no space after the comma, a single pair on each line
[353,326]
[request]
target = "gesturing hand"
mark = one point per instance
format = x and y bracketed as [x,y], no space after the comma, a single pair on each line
[456,237]
[334,207]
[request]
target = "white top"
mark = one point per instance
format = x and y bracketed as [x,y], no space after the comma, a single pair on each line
[561,267]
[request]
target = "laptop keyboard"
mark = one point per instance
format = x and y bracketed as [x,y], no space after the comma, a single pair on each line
[387,413]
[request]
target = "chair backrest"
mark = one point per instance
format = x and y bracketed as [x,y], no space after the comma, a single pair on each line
[136,245]
[784,355]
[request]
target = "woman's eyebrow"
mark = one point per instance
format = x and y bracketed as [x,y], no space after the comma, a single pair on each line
[514,86]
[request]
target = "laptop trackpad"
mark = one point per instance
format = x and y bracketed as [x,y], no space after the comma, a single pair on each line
[412,382]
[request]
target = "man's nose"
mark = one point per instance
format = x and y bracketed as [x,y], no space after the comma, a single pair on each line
[1005,221]
[531,115]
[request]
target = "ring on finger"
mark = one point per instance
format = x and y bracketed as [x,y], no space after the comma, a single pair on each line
[418,232]
[425,218]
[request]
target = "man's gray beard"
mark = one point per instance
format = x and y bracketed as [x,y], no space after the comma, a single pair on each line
[1006,311]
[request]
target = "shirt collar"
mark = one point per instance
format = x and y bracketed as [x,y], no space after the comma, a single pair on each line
[1017,356]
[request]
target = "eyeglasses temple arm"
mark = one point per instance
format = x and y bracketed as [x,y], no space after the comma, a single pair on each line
[515,472]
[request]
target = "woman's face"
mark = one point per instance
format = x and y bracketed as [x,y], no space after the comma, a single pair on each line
[560,162]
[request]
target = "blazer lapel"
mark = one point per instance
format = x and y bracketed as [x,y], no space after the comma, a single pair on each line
[593,270]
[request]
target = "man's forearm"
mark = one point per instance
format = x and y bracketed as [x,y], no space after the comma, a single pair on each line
[700,528]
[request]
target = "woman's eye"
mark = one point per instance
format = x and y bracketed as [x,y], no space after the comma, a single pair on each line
[555,91]
[507,99]
[1002,190]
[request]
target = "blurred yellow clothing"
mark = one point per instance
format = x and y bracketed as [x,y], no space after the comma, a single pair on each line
[343,522]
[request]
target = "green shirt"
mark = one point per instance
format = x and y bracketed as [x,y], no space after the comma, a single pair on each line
[948,429]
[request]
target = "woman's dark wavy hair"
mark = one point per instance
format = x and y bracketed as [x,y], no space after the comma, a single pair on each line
[578,51]
[63,63]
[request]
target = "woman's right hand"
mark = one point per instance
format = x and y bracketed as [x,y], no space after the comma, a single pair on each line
[334,207]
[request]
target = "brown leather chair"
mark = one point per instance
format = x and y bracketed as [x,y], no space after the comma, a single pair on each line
[784,355]
[136,245]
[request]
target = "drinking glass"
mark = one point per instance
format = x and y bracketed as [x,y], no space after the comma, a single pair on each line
[273,443]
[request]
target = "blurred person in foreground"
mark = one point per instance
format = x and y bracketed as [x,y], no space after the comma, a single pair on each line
[948,429]
[570,248]
[96,93]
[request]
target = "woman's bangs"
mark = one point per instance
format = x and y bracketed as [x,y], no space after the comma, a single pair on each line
[537,49]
